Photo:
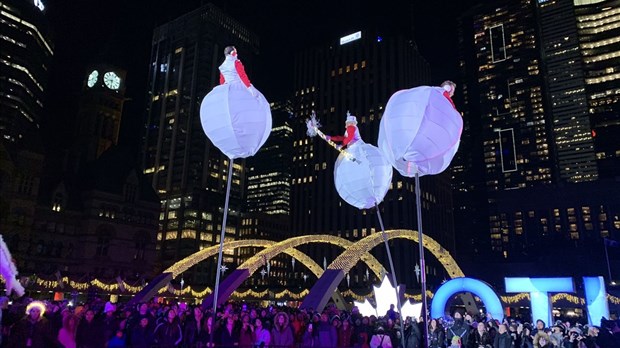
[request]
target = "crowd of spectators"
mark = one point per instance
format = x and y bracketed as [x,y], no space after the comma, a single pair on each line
[98,324]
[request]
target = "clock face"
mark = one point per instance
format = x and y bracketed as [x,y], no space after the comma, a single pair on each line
[92,78]
[111,80]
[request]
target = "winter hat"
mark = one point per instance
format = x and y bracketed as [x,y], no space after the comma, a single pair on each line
[109,307]
[351,119]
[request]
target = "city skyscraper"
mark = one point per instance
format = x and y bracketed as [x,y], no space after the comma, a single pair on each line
[26,52]
[528,136]
[269,171]
[267,211]
[358,74]
[598,26]
[565,84]
[187,171]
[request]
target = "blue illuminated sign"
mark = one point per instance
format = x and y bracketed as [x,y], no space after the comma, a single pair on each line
[596,299]
[539,289]
[485,292]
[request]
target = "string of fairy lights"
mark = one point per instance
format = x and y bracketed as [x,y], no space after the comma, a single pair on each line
[122,287]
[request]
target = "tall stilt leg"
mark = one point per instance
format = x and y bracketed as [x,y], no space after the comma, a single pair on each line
[219,255]
[418,200]
[393,272]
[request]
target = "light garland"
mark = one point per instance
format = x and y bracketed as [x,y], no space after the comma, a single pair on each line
[515,298]
[189,291]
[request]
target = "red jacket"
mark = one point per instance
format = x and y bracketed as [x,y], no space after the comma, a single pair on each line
[241,71]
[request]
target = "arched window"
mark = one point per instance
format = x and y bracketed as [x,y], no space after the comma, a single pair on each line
[141,239]
[104,236]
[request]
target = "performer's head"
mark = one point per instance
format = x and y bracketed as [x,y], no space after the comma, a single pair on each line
[351,120]
[230,51]
[449,86]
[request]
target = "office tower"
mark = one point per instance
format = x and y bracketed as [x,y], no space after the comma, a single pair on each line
[99,114]
[269,171]
[358,74]
[25,55]
[527,134]
[599,29]
[504,91]
[187,171]
[564,77]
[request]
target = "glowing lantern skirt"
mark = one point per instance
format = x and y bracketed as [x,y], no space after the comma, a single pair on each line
[364,182]
[235,121]
[420,131]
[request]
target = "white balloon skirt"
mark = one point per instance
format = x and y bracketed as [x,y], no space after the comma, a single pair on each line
[364,182]
[237,122]
[420,131]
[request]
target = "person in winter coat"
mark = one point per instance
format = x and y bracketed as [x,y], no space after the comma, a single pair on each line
[90,332]
[327,335]
[309,338]
[142,335]
[502,338]
[194,331]
[436,333]
[459,329]
[480,337]
[263,337]
[32,331]
[282,333]
[228,334]
[66,335]
[413,335]
[168,334]
[345,333]
[380,339]
[246,334]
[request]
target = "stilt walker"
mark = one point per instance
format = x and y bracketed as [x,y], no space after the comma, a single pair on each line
[236,117]
[420,133]
[362,176]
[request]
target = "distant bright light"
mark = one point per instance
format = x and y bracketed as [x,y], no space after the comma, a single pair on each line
[39,4]
[379,39]
[350,37]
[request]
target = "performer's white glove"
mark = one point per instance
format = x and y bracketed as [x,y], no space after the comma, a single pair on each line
[339,147]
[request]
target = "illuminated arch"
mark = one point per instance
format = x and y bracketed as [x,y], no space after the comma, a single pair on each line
[251,265]
[335,272]
[181,266]
[186,263]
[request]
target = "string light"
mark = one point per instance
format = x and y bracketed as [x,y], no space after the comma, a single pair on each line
[189,291]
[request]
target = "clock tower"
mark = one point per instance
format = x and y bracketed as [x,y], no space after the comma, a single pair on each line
[100,110]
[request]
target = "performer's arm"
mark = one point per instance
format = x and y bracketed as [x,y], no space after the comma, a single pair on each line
[350,135]
[337,138]
[222,79]
[242,74]
[447,95]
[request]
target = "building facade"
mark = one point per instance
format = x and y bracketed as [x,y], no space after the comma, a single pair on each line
[525,182]
[186,170]
[26,52]
[598,27]
[358,74]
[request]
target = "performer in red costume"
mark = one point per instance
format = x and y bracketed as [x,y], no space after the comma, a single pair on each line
[232,69]
[449,88]
[351,135]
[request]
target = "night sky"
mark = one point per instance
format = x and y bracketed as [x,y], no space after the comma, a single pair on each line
[119,32]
